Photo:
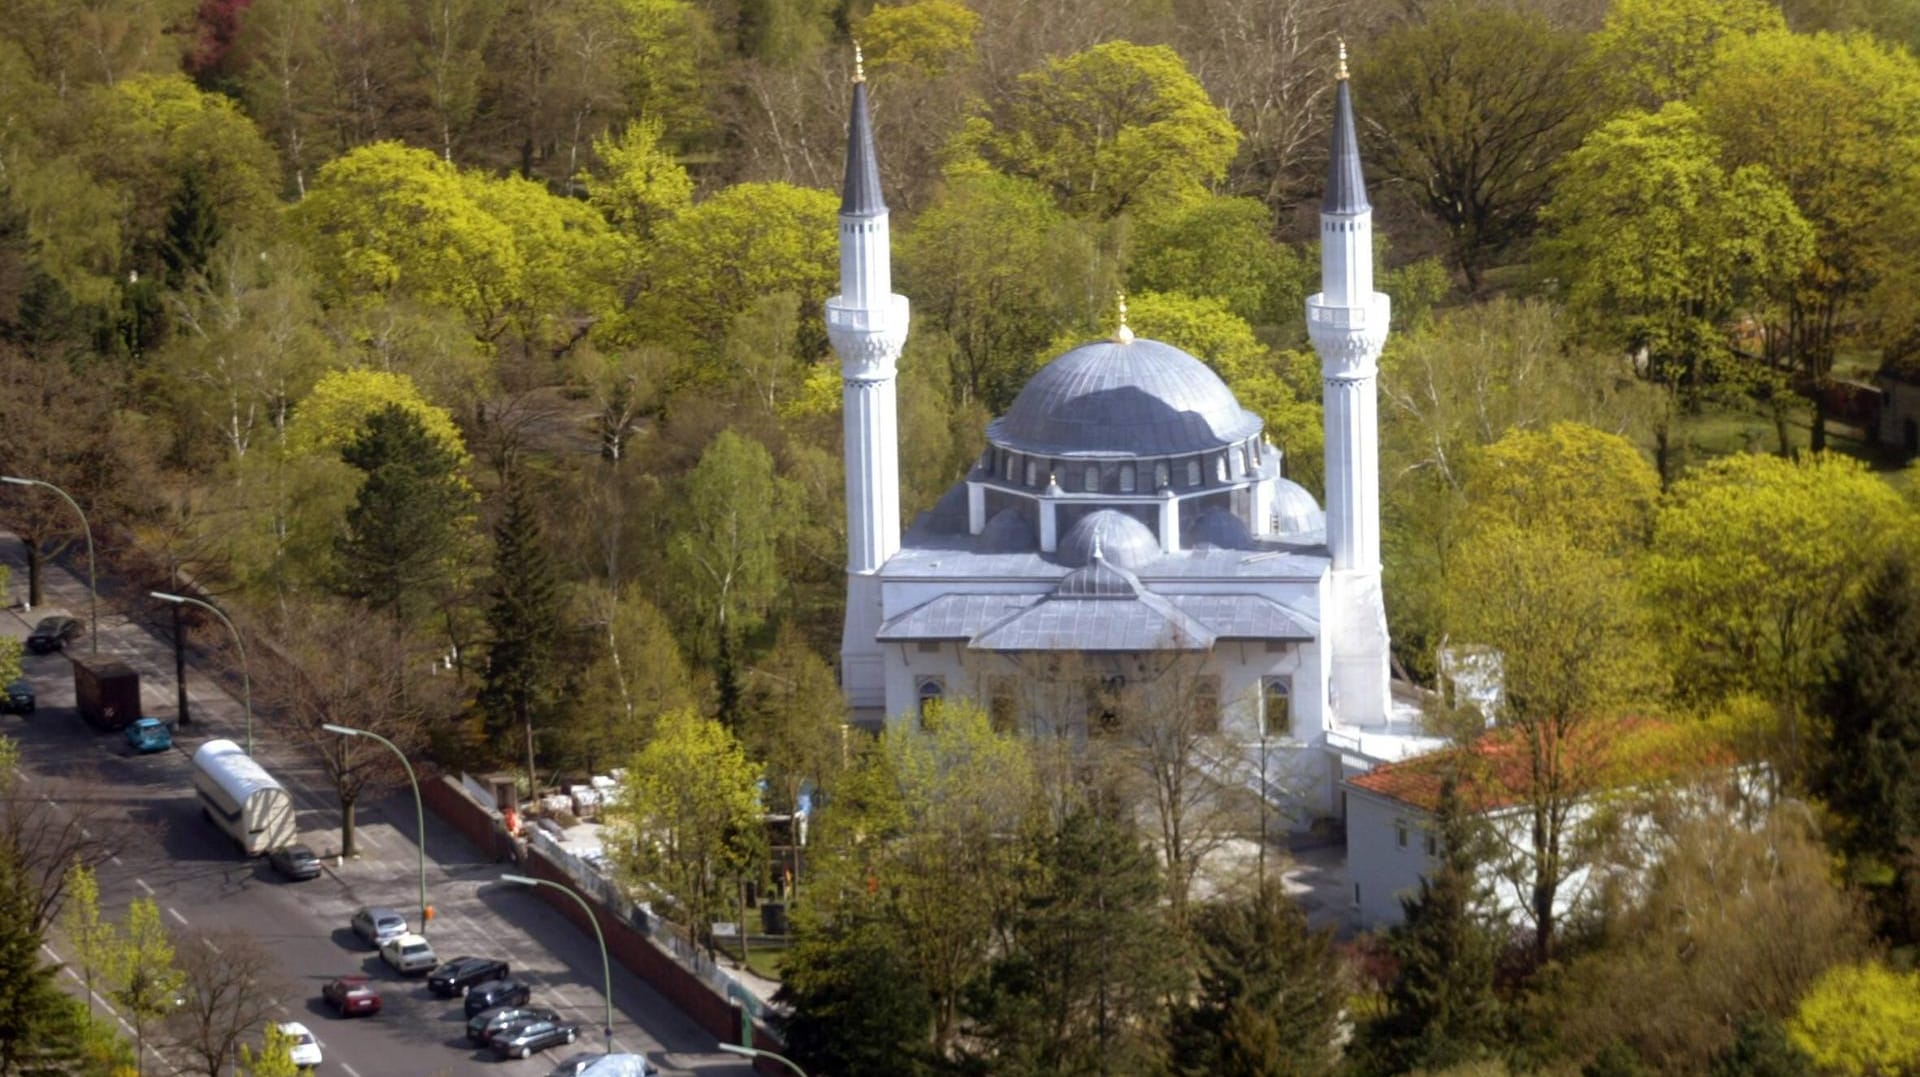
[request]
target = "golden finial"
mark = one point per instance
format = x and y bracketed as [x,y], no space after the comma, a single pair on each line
[859,63]
[1123,334]
[1341,72]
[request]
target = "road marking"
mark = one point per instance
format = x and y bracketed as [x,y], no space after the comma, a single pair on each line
[116,862]
[209,943]
[85,833]
[175,913]
[142,884]
[351,1072]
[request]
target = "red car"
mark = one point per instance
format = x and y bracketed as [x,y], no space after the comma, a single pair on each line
[350,995]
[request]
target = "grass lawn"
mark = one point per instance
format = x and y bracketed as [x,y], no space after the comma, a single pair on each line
[763,959]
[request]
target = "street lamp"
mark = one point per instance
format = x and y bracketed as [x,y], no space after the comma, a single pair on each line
[93,590]
[606,969]
[246,678]
[419,812]
[754,1052]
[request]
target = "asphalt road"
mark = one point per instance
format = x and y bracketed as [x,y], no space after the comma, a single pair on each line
[193,873]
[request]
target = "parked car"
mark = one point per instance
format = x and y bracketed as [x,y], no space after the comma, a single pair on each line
[498,993]
[295,861]
[18,698]
[306,1049]
[595,1064]
[350,995]
[408,954]
[53,633]
[461,973]
[149,735]
[482,1027]
[377,923]
[521,1041]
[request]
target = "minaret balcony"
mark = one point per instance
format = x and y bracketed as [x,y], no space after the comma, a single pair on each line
[1371,315]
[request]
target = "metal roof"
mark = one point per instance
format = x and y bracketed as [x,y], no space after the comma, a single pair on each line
[1144,623]
[860,194]
[1118,537]
[953,617]
[1246,617]
[1346,186]
[1138,398]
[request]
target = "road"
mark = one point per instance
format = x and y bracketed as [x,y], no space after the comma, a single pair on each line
[192,872]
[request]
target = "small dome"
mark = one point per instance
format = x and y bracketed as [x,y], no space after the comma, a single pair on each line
[1121,539]
[1220,529]
[1007,532]
[1295,511]
[1099,580]
[1136,398]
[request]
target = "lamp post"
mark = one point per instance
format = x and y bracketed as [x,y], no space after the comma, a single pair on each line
[606,968]
[755,1052]
[93,590]
[246,678]
[419,812]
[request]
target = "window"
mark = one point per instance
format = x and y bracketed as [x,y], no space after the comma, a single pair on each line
[1276,705]
[1012,463]
[1433,845]
[1093,478]
[1103,703]
[1193,472]
[1240,462]
[1220,468]
[1160,477]
[928,646]
[1033,472]
[1400,834]
[930,691]
[1206,705]
[1126,478]
[1003,704]
[1356,895]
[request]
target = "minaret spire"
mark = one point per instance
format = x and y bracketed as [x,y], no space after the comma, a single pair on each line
[867,324]
[1347,322]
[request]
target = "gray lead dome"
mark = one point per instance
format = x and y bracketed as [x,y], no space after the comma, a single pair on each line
[1141,398]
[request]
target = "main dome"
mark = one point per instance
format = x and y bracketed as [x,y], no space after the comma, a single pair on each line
[1137,398]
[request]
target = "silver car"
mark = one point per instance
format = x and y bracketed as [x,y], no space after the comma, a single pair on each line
[408,954]
[376,924]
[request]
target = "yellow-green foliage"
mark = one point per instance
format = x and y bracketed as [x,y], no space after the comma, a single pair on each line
[1654,51]
[1861,1021]
[331,416]
[928,38]
[1588,484]
[641,184]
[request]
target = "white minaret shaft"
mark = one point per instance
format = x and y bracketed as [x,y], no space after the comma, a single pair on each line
[1347,323]
[868,326]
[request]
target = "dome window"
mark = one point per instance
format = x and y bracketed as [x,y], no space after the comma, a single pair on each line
[1033,471]
[1126,478]
[1240,462]
[1193,472]
[1012,463]
[1220,468]
[1093,478]
[1161,479]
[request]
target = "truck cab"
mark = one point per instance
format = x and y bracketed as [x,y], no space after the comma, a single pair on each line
[149,735]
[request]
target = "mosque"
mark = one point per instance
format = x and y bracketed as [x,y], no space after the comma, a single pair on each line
[1127,511]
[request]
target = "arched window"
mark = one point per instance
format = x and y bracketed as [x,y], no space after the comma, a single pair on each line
[1240,462]
[1033,471]
[1012,463]
[1193,472]
[1093,478]
[1276,706]
[930,691]
[1126,478]
[1220,468]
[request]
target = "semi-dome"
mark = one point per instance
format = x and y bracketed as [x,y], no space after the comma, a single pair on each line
[1132,398]
[1007,532]
[1122,540]
[1221,530]
[1295,511]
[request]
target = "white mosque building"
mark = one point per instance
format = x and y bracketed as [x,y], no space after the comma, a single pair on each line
[1127,508]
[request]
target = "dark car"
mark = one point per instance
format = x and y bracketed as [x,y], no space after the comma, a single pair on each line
[482,1027]
[349,995]
[53,633]
[295,862]
[521,1041]
[18,698]
[498,993]
[463,972]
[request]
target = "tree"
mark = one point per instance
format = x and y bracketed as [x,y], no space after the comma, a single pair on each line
[58,824]
[1652,52]
[643,184]
[1835,121]
[1761,1049]
[228,995]
[854,1005]
[1083,983]
[275,1057]
[1574,653]
[1869,763]
[1441,1009]
[449,41]
[689,819]
[1754,561]
[634,673]
[523,622]
[40,1027]
[1473,107]
[1860,1020]
[1270,993]
[1118,127]
[92,936]
[1589,485]
[794,719]
[1220,248]
[141,971]
[408,523]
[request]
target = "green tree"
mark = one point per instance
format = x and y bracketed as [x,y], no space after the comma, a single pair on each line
[642,184]
[1475,105]
[92,936]
[408,524]
[1652,52]
[275,1057]
[1082,986]
[1441,1009]
[1869,696]
[1118,127]
[141,972]
[1860,1021]
[928,37]
[1754,562]
[634,673]
[689,820]
[1270,993]
[521,685]
[1589,485]
[1221,248]
[1761,1049]
[794,719]
[9,648]
[41,1029]
[854,1004]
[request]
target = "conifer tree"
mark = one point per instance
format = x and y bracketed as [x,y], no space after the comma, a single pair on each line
[406,523]
[40,1027]
[855,1008]
[1441,1008]
[1269,996]
[523,622]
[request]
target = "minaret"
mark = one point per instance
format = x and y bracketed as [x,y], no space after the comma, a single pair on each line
[1347,322]
[868,326]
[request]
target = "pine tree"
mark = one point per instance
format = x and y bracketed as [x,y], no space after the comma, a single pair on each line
[193,229]
[1269,997]
[854,1006]
[41,1028]
[1441,1008]
[523,622]
[1761,1049]
[407,520]
[1870,771]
